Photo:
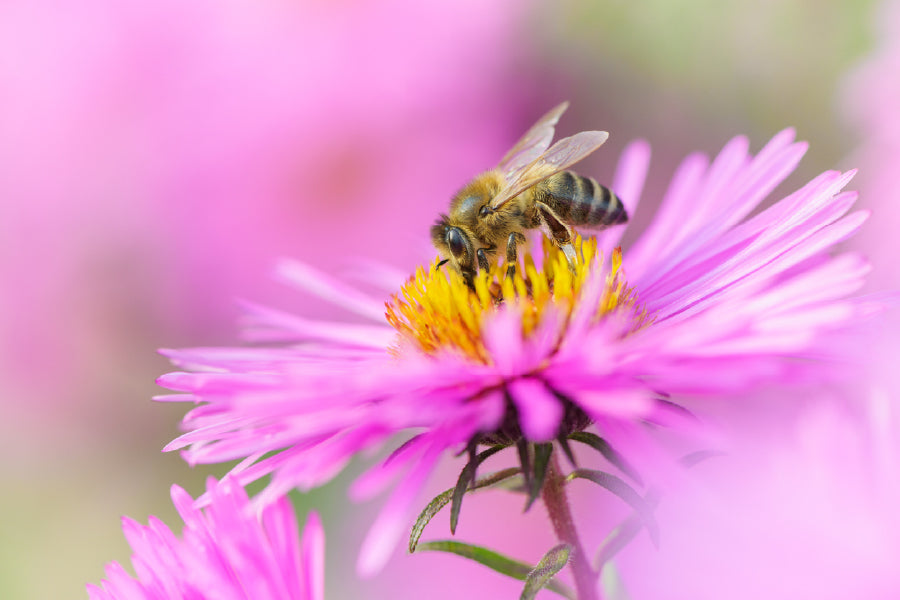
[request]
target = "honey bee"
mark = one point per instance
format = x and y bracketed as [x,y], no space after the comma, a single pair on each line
[531,188]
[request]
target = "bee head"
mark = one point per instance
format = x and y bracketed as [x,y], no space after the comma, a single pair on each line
[439,235]
[455,245]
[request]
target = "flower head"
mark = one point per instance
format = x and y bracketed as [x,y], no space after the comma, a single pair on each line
[502,317]
[707,301]
[225,551]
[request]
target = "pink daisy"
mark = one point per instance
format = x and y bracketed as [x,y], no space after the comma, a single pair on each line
[225,551]
[709,301]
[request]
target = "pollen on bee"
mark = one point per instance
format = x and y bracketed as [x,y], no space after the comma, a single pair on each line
[437,311]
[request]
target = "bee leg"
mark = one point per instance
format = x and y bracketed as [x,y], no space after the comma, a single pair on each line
[512,257]
[482,260]
[469,277]
[569,251]
[558,232]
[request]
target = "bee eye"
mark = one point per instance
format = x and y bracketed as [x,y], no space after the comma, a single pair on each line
[484,211]
[455,243]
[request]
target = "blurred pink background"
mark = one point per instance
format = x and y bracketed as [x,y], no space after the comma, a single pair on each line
[156,158]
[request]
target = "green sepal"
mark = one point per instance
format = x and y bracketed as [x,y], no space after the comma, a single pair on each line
[620,488]
[540,577]
[563,442]
[496,561]
[524,450]
[441,500]
[542,454]
[466,476]
[514,484]
[697,457]
[402,448]
[609,453]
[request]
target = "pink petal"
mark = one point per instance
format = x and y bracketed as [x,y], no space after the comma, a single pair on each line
[307,278]
[394,517]
[540,412]
[628,182]
[313,552]
[502,335]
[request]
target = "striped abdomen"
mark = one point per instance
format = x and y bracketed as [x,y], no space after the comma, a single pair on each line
[581,201]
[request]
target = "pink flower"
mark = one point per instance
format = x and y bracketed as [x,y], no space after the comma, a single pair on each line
[226,550]
[812,514]
[708,302]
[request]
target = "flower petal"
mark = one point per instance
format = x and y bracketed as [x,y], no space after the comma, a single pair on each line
[540,412]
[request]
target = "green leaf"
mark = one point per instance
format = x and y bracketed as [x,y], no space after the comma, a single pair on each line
[494,560]
[609,453]
[542,454]
[441,500]
[552,563]
[624,491]
[462,484]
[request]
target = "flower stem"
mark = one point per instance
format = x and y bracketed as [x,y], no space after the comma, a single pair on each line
[557,503]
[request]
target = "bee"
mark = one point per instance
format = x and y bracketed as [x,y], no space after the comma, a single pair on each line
[531,188]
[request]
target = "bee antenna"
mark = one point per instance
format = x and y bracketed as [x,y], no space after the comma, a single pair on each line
[441,264]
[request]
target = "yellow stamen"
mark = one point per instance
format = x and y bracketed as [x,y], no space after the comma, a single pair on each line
[436,310]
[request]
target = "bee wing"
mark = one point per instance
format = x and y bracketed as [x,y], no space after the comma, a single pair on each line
[562,155]
[531,145]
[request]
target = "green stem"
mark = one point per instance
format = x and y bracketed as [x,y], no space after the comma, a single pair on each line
[557,503]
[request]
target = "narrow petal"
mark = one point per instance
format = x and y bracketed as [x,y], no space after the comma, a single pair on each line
[628,183]
[313,552]
[394,517]
[539,411]
[503,340]
[651,246]
[314,281]
[266,324]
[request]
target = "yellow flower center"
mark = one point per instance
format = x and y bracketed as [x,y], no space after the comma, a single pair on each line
[435,310]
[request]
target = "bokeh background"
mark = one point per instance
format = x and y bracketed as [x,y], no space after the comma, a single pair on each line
[156,158]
